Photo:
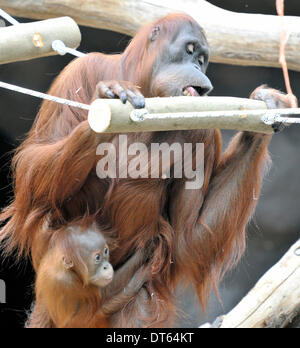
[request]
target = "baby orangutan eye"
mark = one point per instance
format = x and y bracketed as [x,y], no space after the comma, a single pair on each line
[98,258]
[106,252]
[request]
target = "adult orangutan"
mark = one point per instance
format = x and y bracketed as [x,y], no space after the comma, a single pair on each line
[190,235]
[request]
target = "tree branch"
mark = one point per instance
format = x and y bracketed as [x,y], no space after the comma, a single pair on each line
[274,302]
[235,38]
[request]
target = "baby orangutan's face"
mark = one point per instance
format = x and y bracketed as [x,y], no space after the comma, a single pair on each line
[101,271]
[94,252]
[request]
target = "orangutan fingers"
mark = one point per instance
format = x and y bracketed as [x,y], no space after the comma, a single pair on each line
[136,99]
[104,91]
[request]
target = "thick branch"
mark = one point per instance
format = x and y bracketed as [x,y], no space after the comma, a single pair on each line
[275,300]
[235,38]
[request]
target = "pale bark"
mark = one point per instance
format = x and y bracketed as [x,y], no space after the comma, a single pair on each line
[235,38]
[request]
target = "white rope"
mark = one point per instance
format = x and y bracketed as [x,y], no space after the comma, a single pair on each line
[57,45]
[269,117]
[9,18]
[44,96]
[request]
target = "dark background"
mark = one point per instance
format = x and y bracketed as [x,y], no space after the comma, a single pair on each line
[277,221]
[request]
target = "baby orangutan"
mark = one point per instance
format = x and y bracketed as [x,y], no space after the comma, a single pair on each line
[71,278]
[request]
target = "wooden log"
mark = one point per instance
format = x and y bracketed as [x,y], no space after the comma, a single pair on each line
[235,38]
[178,113]
[275,300]
[34,40]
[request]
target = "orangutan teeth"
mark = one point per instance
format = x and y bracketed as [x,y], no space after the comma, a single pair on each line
[187,93]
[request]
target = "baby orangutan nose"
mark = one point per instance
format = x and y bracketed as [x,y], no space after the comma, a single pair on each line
[107,272]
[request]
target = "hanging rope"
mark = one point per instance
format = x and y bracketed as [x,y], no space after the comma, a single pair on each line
[284,36]
[271,116]
[43,96]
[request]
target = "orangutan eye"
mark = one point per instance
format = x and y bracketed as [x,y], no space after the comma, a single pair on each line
[106,251]
[201,60]
[190,48]
[98,258]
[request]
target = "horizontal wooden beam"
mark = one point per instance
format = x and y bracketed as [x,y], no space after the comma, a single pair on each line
[34,40]
[235,38]
[178,113]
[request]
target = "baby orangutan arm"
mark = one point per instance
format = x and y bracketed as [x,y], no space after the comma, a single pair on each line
[127,282]
[117,302]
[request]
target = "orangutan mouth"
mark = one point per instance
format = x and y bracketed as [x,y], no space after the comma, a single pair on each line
[194,91]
